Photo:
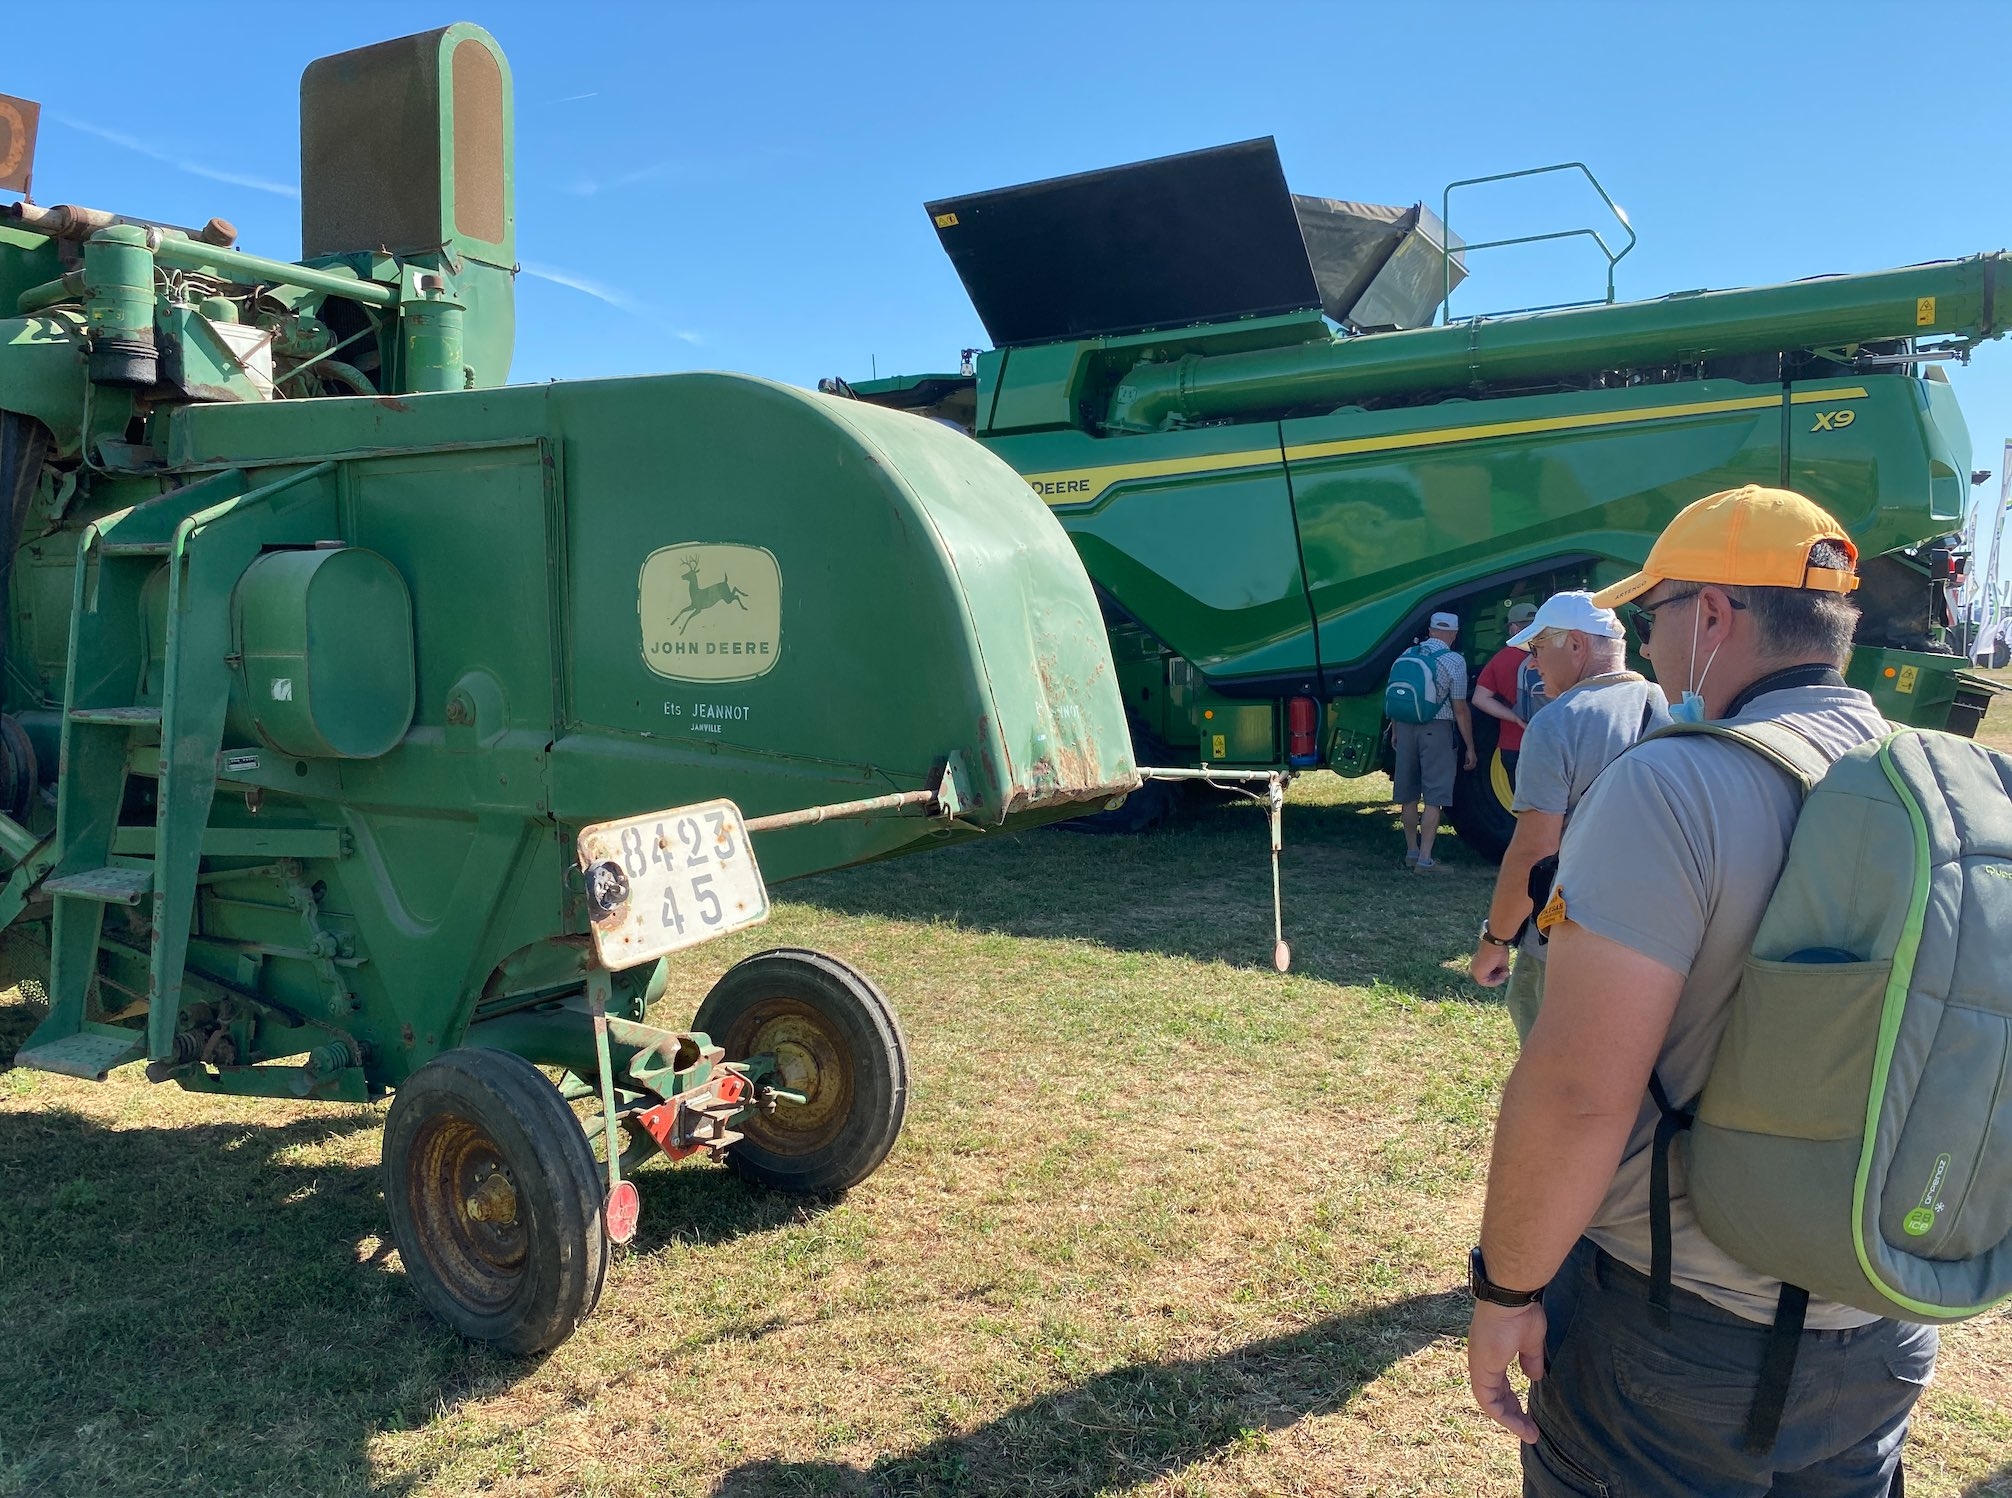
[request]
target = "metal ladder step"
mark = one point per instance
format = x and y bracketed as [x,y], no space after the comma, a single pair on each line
[118,717]
[89,1054]
[112,886]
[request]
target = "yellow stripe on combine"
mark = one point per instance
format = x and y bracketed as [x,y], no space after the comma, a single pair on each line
[1076,486]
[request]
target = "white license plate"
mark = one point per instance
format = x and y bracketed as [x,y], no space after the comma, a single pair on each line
[669,880]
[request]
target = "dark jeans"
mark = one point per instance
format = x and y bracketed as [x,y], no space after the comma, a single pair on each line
[1627,1408]
[1509,758]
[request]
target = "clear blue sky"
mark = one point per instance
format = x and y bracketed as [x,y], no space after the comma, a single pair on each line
[740,186]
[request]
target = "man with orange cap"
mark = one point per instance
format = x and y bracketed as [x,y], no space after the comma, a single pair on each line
[1646,1343]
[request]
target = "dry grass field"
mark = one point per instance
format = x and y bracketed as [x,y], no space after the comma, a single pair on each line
[1163,1222]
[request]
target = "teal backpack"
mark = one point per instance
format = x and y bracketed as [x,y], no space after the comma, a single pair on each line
[1415,692]
[1854,1138]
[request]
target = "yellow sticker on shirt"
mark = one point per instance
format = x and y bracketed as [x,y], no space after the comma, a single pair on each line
[1553,912]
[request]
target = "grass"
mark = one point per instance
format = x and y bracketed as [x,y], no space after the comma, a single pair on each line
[1163,1222]
[1997,729]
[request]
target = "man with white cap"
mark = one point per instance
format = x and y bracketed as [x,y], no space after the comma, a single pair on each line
[1594,708]
[1424,773]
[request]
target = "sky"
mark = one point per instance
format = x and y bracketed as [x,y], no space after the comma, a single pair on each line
[740,186]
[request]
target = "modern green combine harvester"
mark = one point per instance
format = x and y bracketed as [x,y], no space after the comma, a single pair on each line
[368,726]
[1275,466]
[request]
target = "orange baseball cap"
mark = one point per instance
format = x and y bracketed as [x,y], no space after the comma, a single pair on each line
[1748,538]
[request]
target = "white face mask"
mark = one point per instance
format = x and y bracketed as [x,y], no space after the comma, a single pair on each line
[1691,709]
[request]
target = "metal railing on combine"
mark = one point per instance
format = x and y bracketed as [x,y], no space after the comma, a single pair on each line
[1614,257]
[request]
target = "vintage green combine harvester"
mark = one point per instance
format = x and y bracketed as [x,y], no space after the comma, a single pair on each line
[371,727]
[1275,466]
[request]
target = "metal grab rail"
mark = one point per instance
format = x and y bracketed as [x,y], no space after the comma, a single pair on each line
[1447,252]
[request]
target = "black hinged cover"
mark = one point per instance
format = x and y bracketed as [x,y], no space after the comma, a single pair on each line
[1166,243]
[1203,237]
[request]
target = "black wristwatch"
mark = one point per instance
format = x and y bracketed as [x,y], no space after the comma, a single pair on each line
[1484,1289]
[1496,941]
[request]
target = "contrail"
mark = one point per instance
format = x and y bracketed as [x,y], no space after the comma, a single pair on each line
[589,187]
[193,168]
[560,277]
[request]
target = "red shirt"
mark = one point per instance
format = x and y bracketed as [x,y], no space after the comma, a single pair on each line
[1499,676]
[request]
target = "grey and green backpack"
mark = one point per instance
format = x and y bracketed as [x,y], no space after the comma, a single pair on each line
[1854,1137]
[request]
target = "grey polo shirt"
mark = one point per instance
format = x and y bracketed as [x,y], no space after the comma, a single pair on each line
[1580,732]
[1674,854]
[1578,735]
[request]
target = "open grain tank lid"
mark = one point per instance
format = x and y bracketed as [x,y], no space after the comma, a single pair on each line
[1206,236]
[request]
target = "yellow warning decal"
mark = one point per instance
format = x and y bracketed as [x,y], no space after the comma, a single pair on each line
[1909,675]
[946,220]
[1553,912]
[1924,312]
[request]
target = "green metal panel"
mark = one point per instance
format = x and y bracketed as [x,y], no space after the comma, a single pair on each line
[1193,534]
[1907,686]
[1238,733]
[1398,508]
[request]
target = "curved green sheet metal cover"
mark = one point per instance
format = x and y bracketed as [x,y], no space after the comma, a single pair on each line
[703,585]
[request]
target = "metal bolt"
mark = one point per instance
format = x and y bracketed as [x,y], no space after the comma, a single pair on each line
[494,1200]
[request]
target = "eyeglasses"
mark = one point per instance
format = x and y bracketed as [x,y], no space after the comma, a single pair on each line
[1645,619]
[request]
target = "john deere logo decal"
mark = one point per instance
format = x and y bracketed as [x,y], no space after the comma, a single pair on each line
[710,612]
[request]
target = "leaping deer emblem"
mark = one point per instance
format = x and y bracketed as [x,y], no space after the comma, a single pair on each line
[705,597]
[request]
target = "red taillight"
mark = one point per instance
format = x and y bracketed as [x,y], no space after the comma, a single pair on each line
[1302,731]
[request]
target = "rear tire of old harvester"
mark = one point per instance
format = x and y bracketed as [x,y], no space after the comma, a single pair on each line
[495,1200]
[835,1040]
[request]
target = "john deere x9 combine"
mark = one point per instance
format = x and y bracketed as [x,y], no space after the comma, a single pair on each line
[1275,467]
[369,726]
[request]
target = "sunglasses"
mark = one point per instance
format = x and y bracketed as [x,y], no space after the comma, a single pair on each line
[1645,619]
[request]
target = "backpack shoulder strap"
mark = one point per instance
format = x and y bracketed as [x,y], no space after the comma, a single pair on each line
[1781,746]
[1671,1122]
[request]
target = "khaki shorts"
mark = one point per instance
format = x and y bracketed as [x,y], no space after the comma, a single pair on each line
[1425,763]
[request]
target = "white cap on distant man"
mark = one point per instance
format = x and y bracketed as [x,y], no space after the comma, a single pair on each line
[1571,611]
[1446,621]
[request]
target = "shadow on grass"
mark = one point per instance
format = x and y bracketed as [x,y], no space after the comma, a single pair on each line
[1138,1423]
[1997,1485]
[211,1306]
[1202,889]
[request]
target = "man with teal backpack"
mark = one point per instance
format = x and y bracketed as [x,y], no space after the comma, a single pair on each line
[1425,701]
[1759,1140]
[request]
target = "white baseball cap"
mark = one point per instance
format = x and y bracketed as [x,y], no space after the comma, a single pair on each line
[1445,621]
[1571,611]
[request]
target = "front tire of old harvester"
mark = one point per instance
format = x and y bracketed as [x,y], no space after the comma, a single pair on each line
[495,1200]
[835,1040]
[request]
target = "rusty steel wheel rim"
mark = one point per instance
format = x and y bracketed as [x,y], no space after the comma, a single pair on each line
[469,1216]
[812,1058]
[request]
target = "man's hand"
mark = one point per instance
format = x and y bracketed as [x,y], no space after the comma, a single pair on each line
[1489,965]
[1469,762]
[1496,1337]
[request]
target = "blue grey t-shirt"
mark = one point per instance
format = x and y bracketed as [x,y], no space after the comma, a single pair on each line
[1579,733]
